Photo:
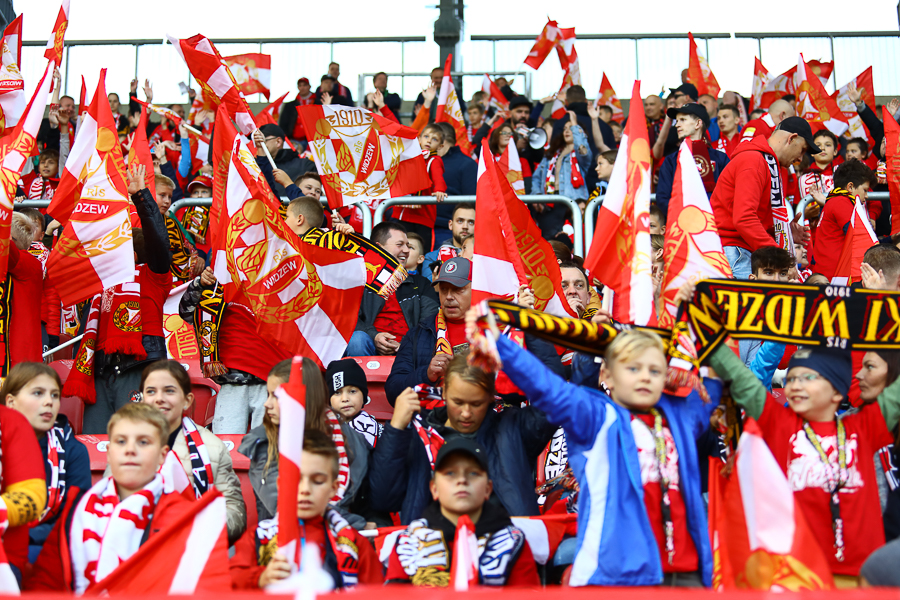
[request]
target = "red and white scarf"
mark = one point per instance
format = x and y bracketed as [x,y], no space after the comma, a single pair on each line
[551,185]
[107,531]
[431,439]
[56,487]
[337,437]
[201,465]
[40,252]
[114,325]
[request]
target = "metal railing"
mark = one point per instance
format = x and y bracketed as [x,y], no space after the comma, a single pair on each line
[577,222]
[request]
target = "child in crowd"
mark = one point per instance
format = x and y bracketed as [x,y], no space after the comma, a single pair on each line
[603,168]
[820,174]
[349,392]
[42,183]
[166,385]
[346,555]
[628,535]
[657,220]
[420,218]
[416,255]
[857,149]
[461,487]
[97,529]
[33,389]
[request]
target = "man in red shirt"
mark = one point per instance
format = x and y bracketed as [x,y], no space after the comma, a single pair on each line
[729,129]
[384,321]
[765,125]
[751,185]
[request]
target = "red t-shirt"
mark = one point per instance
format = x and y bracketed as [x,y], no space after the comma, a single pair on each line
[242,348]
[25,307]
[391,319]
[830,232]
[728,146]
[426,214]
[155,289]
[299,132]
[685,559]
[808,477]
[456,332]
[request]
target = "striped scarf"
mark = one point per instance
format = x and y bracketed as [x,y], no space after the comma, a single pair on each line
[56,486]
[337,437]
[384,273]
[201,465]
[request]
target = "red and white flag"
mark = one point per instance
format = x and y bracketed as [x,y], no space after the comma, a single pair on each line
[305,298]
[95,249]
[212,73]
[252,72]
[814,104]
[497,99]
[620,252]
[187,557]
[181,342]
[699,72]
[12,85]
[565,50]
[760,538]
[54,51]
[892,164]
[292,406]
[448,109]
[692,250]
[785,83]
[16,148]
[859,238]
[139,153]
[863,83]
[543,45]
[269,115]
[361,155]
[83,103]
[607,97]
[511,166]
[514,253]
[465,556]
[760,83]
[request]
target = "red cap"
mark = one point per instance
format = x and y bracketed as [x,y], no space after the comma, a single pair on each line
[303,80]
[204,180]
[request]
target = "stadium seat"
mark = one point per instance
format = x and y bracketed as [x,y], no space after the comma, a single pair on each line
[71,406]
[377,369]
[204,408]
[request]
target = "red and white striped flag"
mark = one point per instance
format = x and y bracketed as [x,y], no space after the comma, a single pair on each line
[865,86]
[212,73]
[565,50]
[95,249]
[465,556]
[813,102]
[760,83]
[292,407]
[12,85]
[497,99]
[252,72]
[15,150]
[54,51]
[699,72]
[139,153]
[511,166]
[607,97]
[544,43]
[305,298]
[270,113]
[361,155]
[187,557]
[620,252]
[892,164]
[693,250]
[449,111]
[859,238]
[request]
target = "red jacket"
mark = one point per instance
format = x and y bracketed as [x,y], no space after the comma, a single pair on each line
[25,326]
[764,126]
[741,201]
[832,229]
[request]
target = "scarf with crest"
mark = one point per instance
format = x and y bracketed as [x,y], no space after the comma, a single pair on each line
[705,165]
[206,323]
[384,273]
[195,220]
[182,250]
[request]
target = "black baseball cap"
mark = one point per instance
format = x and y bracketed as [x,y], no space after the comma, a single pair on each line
[517,101]
[464,444]
[456,271]
[272,130]
[799,126]
[691,108]
[688,89]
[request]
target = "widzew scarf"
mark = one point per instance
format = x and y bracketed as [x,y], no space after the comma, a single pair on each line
[366,424]
[56,487]
[337,436]
[70,318]
[107,531]
[550,182]
[195,220]
[705,165]
[207,320]
[430,438]
[781,218]
[40,252]
[114,325]
[182,250]
[442,345]
[384,273]
[6,289]
[201,465]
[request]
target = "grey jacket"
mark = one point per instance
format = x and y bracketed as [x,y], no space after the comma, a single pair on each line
[417,299]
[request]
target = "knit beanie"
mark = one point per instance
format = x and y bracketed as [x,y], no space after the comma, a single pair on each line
[833,365]
[342,373]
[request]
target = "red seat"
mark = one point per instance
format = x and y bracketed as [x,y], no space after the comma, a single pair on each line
[71,406]
[377,369]
[65,353]
[204,407]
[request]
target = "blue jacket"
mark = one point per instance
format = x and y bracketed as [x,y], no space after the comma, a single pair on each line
[667,176]
[399,472]
[539,179]
[616,545]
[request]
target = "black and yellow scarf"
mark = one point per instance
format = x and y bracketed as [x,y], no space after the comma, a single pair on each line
[181,248]
[6,288]
[195,220]
[384,273]
[207,321]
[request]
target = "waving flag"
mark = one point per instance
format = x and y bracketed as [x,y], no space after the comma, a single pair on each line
[497,99]
[620,252]
[95,249]
[693,250]
[892,164]
[252,72]
[607,97]
[55,44]
[565,50]
[857,240]
[15,150]
[83,104]
[292,406]
[863,83]
[269,113]
[813,102]
[465,556]
[699,72]
[448,109]
[12,85]
[305,299]
[785,83]
[139,153]
[216,79]
[760,538]
[543,45]
[362,155]
[511,166]
[760,83]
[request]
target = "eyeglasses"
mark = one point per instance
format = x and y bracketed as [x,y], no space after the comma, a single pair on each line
[506,134]
[803,379]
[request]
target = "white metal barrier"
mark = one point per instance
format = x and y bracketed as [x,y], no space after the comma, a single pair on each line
[577,222]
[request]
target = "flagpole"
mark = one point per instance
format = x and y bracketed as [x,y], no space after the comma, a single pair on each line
[268,154]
